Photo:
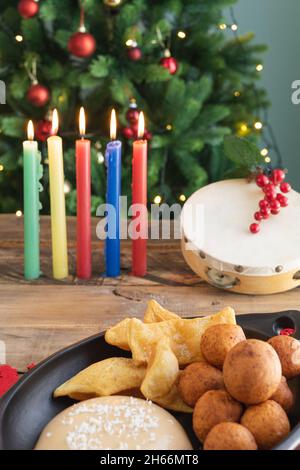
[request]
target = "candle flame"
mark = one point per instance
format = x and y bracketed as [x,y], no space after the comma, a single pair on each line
[82,121]
[141,125]
[113,125]
[55,122]
[30,130]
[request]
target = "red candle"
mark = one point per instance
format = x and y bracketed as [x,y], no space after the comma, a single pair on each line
[139,196]
[83,180]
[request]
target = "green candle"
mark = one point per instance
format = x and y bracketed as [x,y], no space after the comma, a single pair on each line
[31,174]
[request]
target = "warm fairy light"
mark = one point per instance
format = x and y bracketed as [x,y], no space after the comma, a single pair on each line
[19,213]
[100,158]
[258,125]
[157,199]
[169,127]
[234,27]
[244,128]
[223,26]
[264,152]
[237,94]
[1,167]
[141,125]
[182,198]
[19,38]
[113,125]
[259,67]
[30,130]
[181,34]
[67,187]
[82,121]
[131,43]
[268,160]
[55,122]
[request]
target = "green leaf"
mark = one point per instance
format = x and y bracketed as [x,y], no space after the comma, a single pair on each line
[242,152]
[12,126]
[19,85]
[47,11]
[33,34]
[100,66]
[62,37]
[156,73]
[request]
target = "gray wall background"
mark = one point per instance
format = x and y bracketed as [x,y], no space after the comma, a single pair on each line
[276,23]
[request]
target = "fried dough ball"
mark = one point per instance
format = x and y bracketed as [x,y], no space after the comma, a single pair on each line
[288,350]
[229,436]
[267,422]
[198,378]
[284,396]
[217,340]
[252,371]
[214,407]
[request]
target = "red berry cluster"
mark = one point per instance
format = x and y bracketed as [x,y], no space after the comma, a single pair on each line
[273,200]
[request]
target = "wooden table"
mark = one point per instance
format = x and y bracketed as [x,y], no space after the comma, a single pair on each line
[38,318]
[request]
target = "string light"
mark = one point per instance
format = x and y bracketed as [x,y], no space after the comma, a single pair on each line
[181,34]
[223,26]
[237,94]
[258,125]
[19,38]
[67,187]
[244,128]
[19,213]
[182,198]
[259,67]
[264,152]
[157,199]
[169,127]
[268,160]
[1,167]
[100,158]
[131,43]
[234,27]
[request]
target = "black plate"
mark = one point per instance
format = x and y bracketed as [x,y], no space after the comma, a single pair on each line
[29,406]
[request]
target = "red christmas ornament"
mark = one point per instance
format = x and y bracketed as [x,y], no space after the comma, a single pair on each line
[8,377]
[128,133]
[82,44]
[134,53]
[132,114]
[28,8]
[283,200]
[258,216]
[262,180]
[285,187]
[38,95]
[277,176]
[43,130]
[254,228]
[169,62]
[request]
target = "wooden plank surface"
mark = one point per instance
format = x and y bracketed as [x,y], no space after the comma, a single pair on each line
[41,317]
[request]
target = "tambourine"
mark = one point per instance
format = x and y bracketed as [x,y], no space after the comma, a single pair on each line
[218,246]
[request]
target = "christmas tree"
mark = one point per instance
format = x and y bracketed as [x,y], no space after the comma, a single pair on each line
[195,82]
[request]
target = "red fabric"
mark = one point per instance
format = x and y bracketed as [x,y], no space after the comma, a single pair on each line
[8,377]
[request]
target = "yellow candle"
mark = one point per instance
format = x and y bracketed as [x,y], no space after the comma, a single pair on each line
[57,203]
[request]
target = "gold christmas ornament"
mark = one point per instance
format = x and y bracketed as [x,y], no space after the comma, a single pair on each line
[112,3]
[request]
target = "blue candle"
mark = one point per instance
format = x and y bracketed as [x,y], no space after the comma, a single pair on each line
[113,163]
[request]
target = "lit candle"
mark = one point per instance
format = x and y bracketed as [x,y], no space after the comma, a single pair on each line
[57,203]
[83,179]
[113,163]
[139,196]
[31,170]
